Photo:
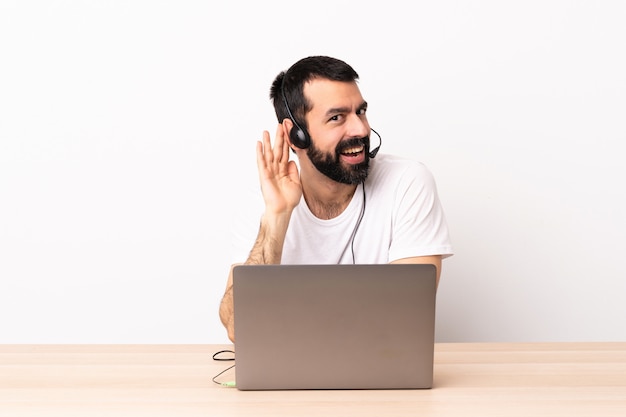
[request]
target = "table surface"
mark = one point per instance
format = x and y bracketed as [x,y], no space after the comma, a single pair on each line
[470,379]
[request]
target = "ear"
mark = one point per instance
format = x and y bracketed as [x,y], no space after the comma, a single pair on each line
[287,125]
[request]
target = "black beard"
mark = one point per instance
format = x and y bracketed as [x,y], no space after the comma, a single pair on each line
[330,164]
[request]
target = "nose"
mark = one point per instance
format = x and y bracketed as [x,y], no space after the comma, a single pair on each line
[358,126]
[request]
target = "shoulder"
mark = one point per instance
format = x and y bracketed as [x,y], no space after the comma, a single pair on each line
[398,169]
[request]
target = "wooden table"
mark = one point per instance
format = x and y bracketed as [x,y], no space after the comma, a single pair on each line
[487,379]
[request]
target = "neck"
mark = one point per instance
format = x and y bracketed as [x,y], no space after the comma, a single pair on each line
[328,200]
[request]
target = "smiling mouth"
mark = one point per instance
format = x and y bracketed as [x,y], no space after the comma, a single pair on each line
[353,150]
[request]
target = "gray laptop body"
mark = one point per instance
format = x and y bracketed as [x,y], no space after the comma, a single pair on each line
[334,326]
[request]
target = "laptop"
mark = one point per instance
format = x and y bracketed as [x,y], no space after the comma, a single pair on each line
[301,327]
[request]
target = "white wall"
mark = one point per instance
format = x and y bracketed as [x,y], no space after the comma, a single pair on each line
[127,127]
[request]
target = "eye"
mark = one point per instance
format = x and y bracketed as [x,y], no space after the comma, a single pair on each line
[362,111]
[335,118]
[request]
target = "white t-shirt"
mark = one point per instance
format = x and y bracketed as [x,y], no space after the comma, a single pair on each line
[401,217]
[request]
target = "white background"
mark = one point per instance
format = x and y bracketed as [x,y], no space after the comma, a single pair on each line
[128,127]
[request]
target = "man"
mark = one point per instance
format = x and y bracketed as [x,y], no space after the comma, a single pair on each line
[341,205]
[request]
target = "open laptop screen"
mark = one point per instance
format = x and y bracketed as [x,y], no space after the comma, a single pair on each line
[334,326]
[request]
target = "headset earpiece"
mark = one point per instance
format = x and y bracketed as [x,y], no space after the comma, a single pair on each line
[299,137]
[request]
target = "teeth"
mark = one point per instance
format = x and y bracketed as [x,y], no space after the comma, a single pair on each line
[355,149]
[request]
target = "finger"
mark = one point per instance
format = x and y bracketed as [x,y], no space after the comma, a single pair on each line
[261,147]
[286,148]
[267,148]
[260,161]
[278,150]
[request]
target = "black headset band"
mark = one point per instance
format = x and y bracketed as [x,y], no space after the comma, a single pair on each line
[298,135]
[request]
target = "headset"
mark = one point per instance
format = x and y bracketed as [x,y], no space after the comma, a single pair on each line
[300,138]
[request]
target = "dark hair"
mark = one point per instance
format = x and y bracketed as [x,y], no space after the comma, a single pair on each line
[289,85]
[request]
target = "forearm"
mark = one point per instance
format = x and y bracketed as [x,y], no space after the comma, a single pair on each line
[226,307]
[267,249]
[433,259]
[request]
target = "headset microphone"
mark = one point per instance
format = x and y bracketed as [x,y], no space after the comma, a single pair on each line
[374,151]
